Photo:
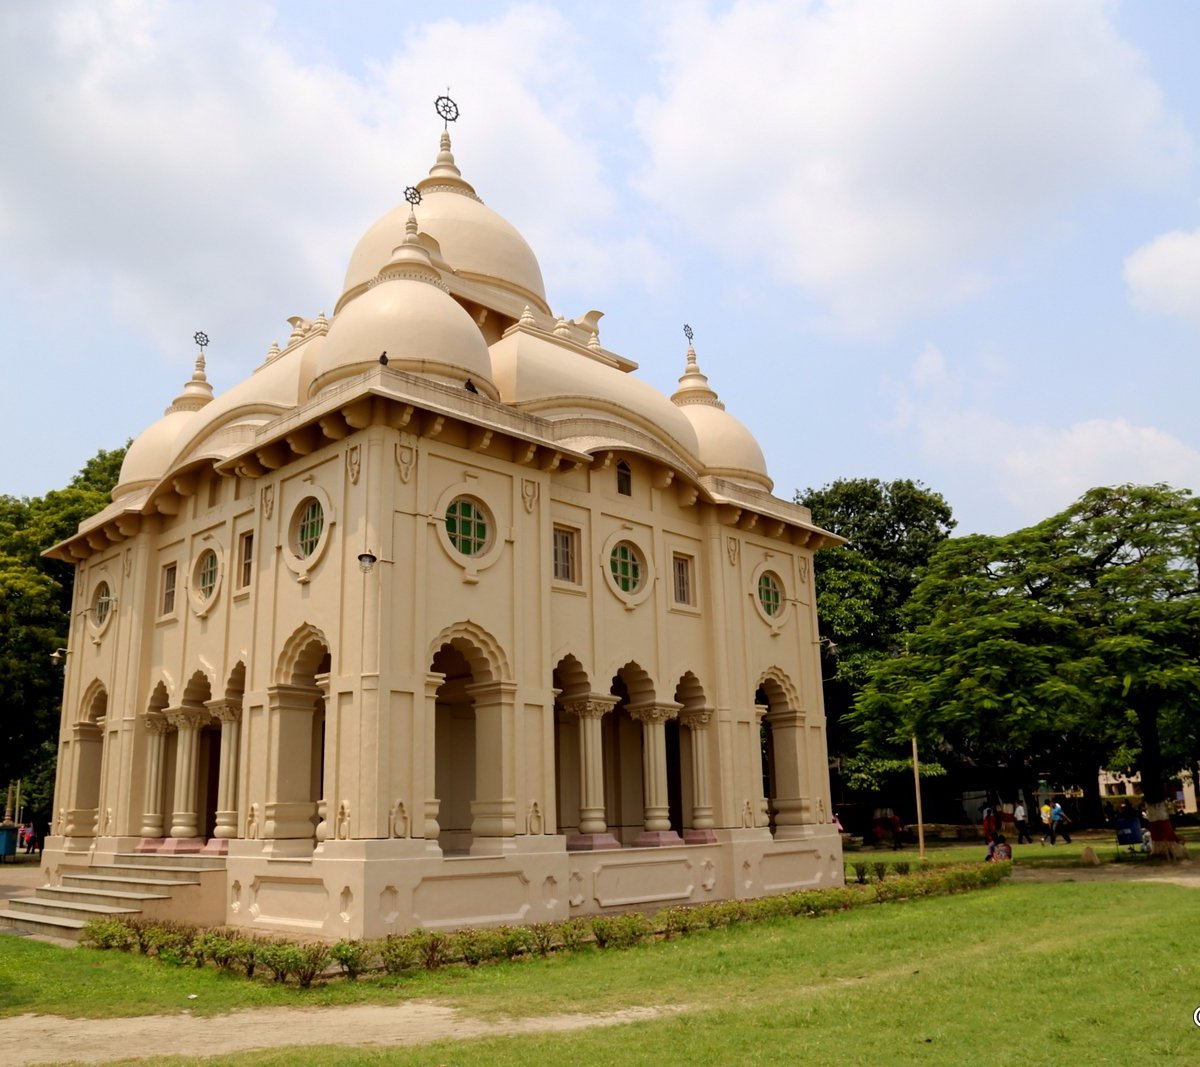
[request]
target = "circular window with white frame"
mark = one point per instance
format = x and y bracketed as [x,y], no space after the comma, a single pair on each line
[308,532]
[626,566]
[206,580]
[769,595]
[468,531]
[102,607]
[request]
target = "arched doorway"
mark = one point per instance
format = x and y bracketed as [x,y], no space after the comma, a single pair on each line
[83,814]
[692,761]
[782,740]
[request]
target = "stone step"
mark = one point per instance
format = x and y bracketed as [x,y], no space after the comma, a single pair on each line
[116,884]
[43,925]
[68,909]
[117,898]
[142,874]
[180,859]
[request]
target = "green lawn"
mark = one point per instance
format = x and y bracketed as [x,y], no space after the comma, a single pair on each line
[1058,974]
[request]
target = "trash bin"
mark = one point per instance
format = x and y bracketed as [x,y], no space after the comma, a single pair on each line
[8,843]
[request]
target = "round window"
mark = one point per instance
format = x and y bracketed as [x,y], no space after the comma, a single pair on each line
[467,526]
[102,603]
[206,574]
[310,524]
[770,593]
[628,570]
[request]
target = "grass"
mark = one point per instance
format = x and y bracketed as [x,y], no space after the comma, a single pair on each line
[1030,974]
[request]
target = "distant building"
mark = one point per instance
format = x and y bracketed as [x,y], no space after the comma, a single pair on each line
[443,616]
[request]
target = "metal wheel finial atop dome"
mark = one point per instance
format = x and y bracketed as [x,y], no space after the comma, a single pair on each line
[201,339]
[412,194]
[447,109]
[687,332]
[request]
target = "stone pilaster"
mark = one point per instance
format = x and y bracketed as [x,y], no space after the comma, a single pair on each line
[793,807]
[185,815]
[152,800]
[229,715]
[494,809]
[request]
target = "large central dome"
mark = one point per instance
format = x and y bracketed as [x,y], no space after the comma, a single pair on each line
[475,242]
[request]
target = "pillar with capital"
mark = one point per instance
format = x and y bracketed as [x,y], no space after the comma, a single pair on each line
[152,802]
[290,811]
[494,809]
[701,831]
[432,805]
[656,821]
[593,829]
[229,714]
[84,805]
[185,815]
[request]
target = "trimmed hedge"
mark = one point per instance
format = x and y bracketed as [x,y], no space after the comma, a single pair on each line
[398,955]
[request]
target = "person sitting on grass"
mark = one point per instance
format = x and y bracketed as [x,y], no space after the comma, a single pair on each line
[1002,850]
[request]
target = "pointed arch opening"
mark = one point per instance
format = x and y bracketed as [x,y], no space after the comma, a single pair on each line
[87,743]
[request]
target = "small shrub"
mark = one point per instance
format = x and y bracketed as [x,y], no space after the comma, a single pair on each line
[108,933]
[860,873]
[679,920]
[475,946]
[541,938]
[399,952]
[310,962]
[245,953]
[881,870]
[515,941]
[433,948]
[171,942]
[353,956]
[573,934]
[141,931]
[620,931]
[281,958]
[221,948]
[902,867]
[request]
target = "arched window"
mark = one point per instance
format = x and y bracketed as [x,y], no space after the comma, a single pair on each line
[624,479]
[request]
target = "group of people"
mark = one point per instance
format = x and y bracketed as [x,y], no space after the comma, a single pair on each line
[28,839]
[1055,824]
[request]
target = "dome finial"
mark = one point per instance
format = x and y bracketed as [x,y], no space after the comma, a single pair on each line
[196,390]
[693,386]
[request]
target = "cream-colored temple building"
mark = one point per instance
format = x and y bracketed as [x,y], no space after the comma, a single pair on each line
[442,617]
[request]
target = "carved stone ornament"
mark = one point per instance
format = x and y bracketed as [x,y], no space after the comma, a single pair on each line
[529,494]
[731,546]
[354,463]
[252,823]
[398,820]
[589,707]
[128,562]
[747,814]
[802,563]
[406,459]
[653,713]
[268,501]
[534,820]
[695,718]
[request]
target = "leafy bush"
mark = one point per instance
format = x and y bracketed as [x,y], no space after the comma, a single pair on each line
[108,933]
[679,920]
[399,952]
[860,872]
[881,870]
[281,958]
[310,963]
[573,934]
[541,938]
[475,946]
[433,948]
[902,866]
[245,952]
[353,956]
[515,941]
[621,931]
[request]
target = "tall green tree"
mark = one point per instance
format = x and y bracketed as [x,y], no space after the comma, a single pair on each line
[1058,646]
[893,529]
[35,604]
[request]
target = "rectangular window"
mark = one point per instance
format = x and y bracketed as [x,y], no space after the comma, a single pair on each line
[681,567]
[565,544]
[168,589]
[245,559]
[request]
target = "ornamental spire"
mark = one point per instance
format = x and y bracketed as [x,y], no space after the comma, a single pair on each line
[693,385]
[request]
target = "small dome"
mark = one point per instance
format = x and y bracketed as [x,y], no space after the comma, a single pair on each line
[407,314]
[474,240]
[727,448]
[555,380]
[149,457]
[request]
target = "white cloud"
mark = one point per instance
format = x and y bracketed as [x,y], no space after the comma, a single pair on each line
[882,155]
[188,158]
[1035,469]
[1163,276]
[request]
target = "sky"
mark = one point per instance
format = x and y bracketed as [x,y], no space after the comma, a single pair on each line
[953,242]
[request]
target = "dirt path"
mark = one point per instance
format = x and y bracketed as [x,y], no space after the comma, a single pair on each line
[34,1039]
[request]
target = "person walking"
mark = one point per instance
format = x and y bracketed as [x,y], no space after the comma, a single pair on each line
[1059,823]
[1045,813]
[1021,823]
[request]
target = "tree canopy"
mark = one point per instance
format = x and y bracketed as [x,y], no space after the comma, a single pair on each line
[35,604]
[893,528]
[1061,645]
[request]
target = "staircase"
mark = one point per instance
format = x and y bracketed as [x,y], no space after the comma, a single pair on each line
[183,887]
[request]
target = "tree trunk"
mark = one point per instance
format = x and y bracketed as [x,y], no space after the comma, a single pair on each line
[1163,840]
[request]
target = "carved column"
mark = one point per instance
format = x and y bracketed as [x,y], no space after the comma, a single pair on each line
[758,778]
[701,832]
[494,809]
[152,803]
[656,822]
[185,818]
[793,808]
[433,683]
[229,715]
[593,830]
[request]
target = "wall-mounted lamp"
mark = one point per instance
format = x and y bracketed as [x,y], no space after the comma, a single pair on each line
[367,560]
[829,644]
[56,657]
